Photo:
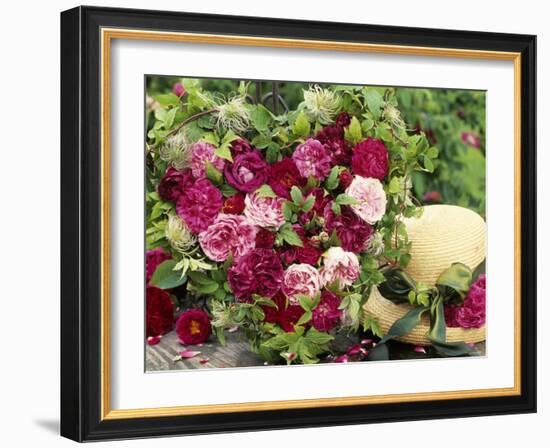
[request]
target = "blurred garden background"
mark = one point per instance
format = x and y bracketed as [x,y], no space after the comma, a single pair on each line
[452,120]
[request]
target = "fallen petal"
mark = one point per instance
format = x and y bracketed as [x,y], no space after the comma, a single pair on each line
[342,358]
[204,360]
[354,350]
[366,341]
[419,349]
[189,354]
[153,340]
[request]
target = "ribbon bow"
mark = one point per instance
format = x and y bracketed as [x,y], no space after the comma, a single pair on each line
[451,287]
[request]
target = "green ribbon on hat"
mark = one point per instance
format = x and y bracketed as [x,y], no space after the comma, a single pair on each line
[451,287]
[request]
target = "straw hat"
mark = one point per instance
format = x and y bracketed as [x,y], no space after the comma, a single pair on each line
[445,234]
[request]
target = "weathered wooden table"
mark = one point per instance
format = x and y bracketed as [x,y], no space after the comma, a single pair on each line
[236,353]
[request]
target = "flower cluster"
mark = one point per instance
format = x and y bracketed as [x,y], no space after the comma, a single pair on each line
[279,219]
[471,314]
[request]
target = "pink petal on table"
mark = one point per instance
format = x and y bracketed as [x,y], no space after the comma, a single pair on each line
[471,345]
[366,341]
[419,349]
[153,340]
[354,350]
[204,360]
[189,354]
[364,351]
[342,358]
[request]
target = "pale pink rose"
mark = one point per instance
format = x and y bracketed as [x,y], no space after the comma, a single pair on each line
[339,267]
[264,212]
[228,234]
[370,196]
[301,279]
[200,153]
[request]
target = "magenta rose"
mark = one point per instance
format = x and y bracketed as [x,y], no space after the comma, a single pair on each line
[345,179]
[472,312]
[312,159]
[240,146]
[258,272]
[174,183]
[284,314]
[332,137]
[326,314]
[351,230]
[370,159]
[248,171]
[265,239]
[153,258]
[200,205]
[283,176]
[193,326]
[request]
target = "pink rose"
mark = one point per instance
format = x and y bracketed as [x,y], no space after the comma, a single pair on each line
[312,159]
[472,313]
[371,198]
[264,212]
[228,234]
[178,89]
[301,279]
[339,267]
[202,152]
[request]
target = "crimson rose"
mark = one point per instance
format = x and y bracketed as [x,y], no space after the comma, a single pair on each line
[159,312]
[193,326]
[370,159]
[248,172]
[174,183]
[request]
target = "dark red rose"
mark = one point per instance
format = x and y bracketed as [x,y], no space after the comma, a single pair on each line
[193,326]
[257,272]
[290,316]
[174,183]
[234,205]
[284,315]
[332,137]
[370,159]
[343,119]
[326,314]
[159,312]
[351,230]
[309,253]
[265,239]
[284,175]
[153,258]
[240,146]
[345,179]
[248,172]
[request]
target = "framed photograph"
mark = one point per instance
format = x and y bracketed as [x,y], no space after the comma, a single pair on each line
[276,224]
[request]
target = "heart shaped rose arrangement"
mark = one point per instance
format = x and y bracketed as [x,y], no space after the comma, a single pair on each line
[276,225]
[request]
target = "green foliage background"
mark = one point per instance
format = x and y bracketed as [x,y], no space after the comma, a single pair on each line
[442,114]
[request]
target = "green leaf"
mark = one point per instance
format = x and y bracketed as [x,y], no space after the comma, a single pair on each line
[353,132]
[301,126]
[224,152]
[305,318]
[287,210]
[290,236]
[344,199]
[367,124]
[308,204]
[374,102]
[453,348]
[265,191]
[228,190]
[394,186]
[336,209]
[206,289]
[213,174]
[198,278]
[428,165]
[167,99]
[296,195]
[165,277]
[272,153]
[260,117]
[318,337]
[333,180]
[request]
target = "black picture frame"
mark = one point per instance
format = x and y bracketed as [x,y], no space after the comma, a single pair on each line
[81,224]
